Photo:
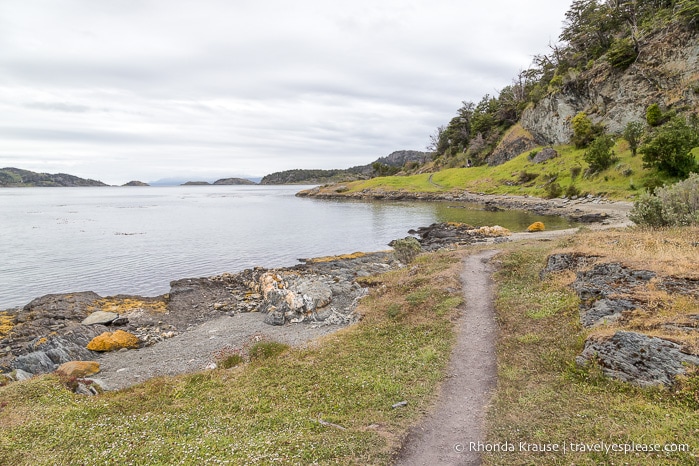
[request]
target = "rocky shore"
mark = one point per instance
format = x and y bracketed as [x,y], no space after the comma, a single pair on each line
[584,209]
[293,305]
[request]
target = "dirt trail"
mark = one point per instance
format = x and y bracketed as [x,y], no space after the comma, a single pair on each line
[444,436]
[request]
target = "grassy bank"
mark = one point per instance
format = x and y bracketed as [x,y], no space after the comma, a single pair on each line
[519,176]
[544,398]
[330,403]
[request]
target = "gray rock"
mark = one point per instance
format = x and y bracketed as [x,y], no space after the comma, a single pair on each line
[560,262]
[637,358]
[547,153]
[604,311]
[20,375]
[100,317]
[610,278]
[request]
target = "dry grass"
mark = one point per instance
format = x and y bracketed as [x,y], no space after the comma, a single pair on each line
[669,252]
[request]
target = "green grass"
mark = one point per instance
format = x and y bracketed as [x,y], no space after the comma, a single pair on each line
[542,396]
[269,410]
[624,180]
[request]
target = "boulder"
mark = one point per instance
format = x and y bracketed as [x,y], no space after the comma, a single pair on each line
[100,317]
[536,226]
[79,368]
[112,341]
[609,278]
[547,153]
[637,358]
[46,353]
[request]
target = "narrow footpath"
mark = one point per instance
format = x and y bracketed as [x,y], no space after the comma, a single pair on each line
[444,436]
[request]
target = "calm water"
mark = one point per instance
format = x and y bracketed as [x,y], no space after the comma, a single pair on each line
[136,240]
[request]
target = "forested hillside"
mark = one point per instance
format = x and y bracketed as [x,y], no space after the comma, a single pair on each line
[620,67]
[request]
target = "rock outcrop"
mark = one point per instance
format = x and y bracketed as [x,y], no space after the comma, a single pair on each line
[666,72]
[638,358]
[610,294]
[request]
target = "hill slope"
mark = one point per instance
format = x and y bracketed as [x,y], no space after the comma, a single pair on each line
[15,177]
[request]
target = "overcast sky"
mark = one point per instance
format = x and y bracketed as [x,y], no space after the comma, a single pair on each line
[119,90]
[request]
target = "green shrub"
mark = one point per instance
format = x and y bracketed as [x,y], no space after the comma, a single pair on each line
[600,154]
[575,171]
[654,116]
[572,191]
[553,189]
[526,177]
[670,150]
[622,53]
[584,131]
[406,249]
[677,204]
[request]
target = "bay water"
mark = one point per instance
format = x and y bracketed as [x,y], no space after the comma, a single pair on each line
[135,240]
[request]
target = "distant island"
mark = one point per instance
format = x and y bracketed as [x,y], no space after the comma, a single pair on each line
[16,178]
[136,183]
[232,181]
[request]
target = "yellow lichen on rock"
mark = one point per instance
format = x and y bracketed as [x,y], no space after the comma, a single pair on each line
[79,368]
[536,226]
[353,255]
[126,305]
[109,341]
[7,322]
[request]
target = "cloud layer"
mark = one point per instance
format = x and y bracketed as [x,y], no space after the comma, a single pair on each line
[146,89]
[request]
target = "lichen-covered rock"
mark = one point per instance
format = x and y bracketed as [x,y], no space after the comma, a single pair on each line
[112,341]
[536,226]
[637,358]
[406,249]
[79,368]
[609,278]
[564,261]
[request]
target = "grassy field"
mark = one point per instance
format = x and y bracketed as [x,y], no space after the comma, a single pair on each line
[330,403]
[622,181]
[544,398]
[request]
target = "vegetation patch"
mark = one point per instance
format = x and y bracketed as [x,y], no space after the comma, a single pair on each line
[124,305]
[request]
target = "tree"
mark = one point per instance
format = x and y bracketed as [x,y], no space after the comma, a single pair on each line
[632,133]
[670,150]
[600,154]
[584,131]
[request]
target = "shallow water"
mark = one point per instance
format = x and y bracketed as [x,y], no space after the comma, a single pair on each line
[136,240]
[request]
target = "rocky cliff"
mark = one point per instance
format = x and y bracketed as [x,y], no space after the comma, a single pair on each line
[666,72]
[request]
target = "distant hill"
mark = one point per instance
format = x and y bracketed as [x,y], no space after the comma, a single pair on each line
[196,183]
[394,162]
[234,181]
[15,177]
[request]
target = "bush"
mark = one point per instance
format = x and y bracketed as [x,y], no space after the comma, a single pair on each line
[677,204]
[600,155]
[584,131]
[622,53]
[654,116]
[572,191]
[526,177]
[575,171]
[553,189]
[670,150]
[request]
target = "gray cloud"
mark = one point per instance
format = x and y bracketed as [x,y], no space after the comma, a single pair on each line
[123,90]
